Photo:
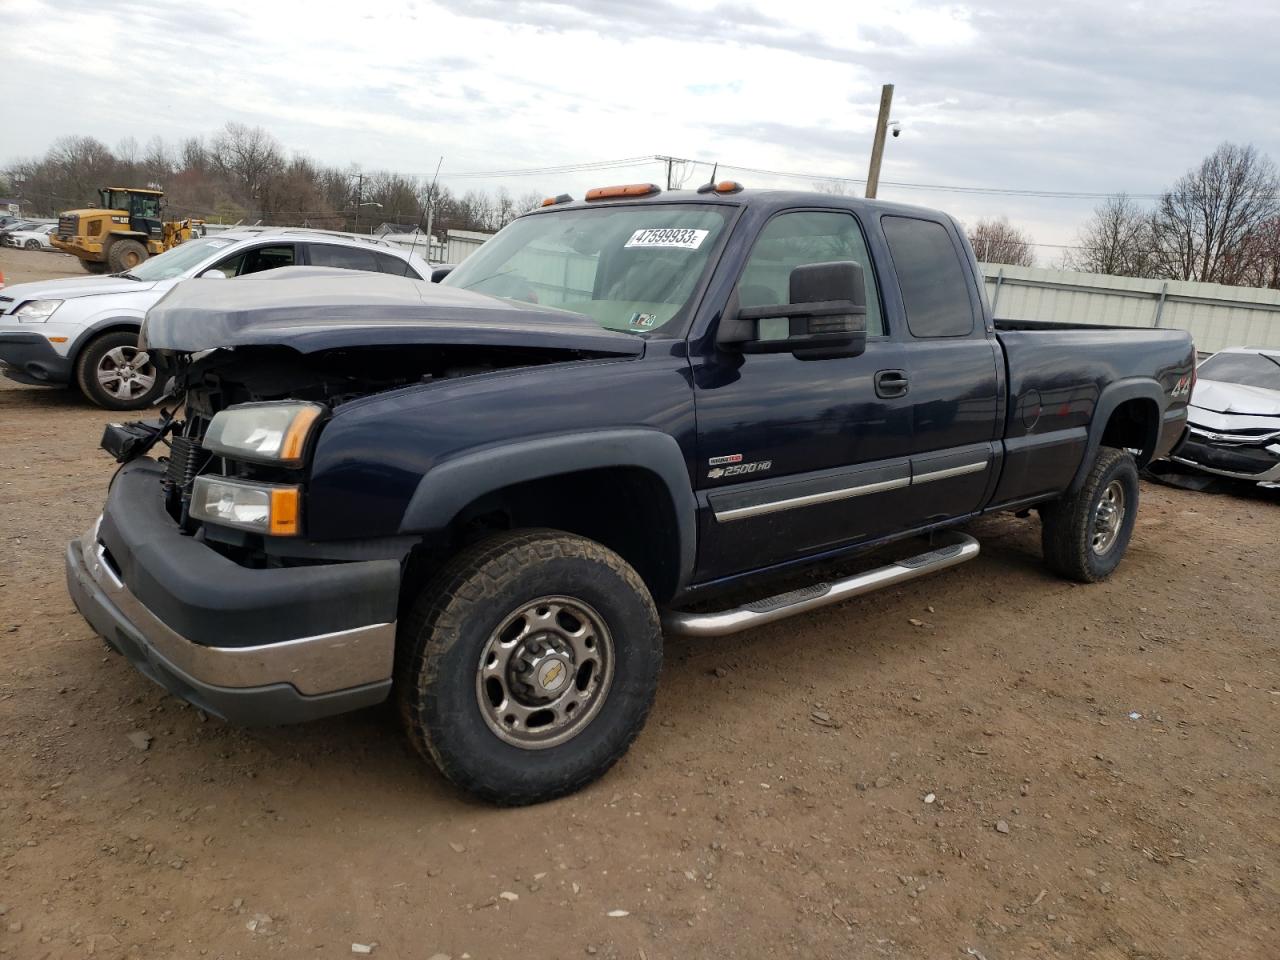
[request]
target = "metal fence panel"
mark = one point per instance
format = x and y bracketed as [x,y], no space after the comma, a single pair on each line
[1216,315]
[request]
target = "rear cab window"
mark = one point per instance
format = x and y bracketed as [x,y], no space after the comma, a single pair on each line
[930,276]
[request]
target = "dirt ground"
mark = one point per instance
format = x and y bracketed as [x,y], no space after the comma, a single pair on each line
[1102,763]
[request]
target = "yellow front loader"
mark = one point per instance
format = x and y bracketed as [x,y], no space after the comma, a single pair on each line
[122,232]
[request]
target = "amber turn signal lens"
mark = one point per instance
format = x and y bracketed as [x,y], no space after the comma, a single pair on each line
[295,437]
[284,512]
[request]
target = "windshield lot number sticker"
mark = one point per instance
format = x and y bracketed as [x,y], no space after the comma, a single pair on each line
[680,238]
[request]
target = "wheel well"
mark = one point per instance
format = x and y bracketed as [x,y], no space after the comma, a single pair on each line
[114,326]
[1134,425]
[628,509]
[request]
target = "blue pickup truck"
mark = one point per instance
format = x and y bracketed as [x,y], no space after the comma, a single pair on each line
[487,499]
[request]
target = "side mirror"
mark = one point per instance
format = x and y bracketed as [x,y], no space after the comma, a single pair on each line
[827,316]
[213,273]
[438,273]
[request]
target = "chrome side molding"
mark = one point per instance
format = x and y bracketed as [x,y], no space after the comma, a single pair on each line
[759,612]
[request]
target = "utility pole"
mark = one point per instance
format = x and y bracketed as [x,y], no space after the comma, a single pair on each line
[877,146]
[360,198]
[670,160]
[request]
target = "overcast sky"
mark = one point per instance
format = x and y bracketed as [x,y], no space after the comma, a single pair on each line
[1090,97]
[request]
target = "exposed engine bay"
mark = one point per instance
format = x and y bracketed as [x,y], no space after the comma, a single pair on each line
[205,383]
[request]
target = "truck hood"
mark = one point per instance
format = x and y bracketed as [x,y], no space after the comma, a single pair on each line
[72,288]
[1219,396]
[313,309]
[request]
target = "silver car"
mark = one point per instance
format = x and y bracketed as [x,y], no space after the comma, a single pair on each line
[83,331]
[1234,418]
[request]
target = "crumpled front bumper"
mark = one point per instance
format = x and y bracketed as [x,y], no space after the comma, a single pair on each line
[1255,462]
[253,659]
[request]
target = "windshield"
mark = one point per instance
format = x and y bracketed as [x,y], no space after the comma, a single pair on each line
[1250,369]
[633,268]
[179,260]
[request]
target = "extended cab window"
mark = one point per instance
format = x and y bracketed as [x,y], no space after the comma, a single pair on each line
[930,277]
[791,240]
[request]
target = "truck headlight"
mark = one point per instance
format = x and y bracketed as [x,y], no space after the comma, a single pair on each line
[36,311]
[268,508]
[263,432]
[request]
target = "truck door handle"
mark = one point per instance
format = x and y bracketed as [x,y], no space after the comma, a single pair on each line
[891,383]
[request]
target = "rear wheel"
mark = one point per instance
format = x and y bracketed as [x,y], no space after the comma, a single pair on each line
[1084,535]
[125,254]
[529,665]
[108,374]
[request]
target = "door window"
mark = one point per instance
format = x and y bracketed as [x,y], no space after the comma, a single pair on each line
[791,240]
[344,258]
[930,276]
[257,259]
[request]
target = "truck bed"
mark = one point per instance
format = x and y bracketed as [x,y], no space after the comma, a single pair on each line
[1056,375]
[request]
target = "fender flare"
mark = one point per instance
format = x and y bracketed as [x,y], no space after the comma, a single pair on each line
[1134,388]
[452,484]
[96,327]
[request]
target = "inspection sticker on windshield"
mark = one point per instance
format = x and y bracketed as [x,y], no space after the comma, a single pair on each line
[679,237]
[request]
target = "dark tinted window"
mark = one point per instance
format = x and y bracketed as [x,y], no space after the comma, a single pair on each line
[395,266]
[346,258]
[930,276]
[255,260]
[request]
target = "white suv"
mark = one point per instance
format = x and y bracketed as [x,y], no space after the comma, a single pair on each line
[84,330]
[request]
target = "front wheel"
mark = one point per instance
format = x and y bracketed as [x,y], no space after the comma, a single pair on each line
[528,666]
[32,244]
[94,266]
[125,254]
[109,375]
[1084,535]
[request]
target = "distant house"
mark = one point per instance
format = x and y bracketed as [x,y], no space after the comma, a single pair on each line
[398,229]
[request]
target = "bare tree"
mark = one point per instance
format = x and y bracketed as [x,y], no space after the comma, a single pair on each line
[1117,240]
[249,155]
[999,241]
[1202,225]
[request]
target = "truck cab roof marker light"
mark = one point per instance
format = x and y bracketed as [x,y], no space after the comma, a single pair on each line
[624,190]
[724,186]
[559,198]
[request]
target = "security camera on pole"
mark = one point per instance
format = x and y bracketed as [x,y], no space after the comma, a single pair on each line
[877,147]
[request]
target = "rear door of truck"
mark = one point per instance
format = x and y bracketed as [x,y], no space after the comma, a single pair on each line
[954,370]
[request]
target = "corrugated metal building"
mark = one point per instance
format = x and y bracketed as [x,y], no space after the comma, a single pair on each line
[1216,315]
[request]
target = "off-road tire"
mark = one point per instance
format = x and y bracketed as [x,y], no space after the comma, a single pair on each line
[450,622]
[94,266]
[1067,525]
[86,373]
[125,254]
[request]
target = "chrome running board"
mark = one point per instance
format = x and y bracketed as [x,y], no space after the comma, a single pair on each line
[759,612]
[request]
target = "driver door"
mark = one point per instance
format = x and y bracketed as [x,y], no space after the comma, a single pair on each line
[796,457]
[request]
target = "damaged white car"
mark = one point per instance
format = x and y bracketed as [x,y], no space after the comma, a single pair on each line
[1234,418]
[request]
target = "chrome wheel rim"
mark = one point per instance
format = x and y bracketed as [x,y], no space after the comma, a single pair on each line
[118,376]
[545,672]
[1108,517]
